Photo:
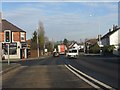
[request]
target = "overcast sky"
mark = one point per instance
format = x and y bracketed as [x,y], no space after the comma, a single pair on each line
[71,20]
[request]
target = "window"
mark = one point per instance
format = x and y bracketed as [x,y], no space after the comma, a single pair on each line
[12,49]
[73,51]
[22,36]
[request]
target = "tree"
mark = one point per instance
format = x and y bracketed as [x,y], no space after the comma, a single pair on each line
[49,46]
[34,40]
[41,36]
[65,42]
[108,49]
[94,49]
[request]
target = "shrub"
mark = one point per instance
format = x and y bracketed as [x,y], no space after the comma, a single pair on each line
[95,49]
[108,49]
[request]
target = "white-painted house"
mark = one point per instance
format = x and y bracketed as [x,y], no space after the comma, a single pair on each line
[74,45]
[112,38]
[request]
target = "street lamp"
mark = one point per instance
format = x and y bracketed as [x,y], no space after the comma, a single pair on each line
[37,43]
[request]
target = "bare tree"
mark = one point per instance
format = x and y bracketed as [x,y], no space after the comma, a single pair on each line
[41,36]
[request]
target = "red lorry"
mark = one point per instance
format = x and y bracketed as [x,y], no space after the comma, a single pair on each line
[61,49]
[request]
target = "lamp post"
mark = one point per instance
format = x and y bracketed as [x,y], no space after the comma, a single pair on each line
[99,40]
[37,44]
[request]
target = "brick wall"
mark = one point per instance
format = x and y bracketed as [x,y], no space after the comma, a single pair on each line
[33,54]
[16,36]
[1,36]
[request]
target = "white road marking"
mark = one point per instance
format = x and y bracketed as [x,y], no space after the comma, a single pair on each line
[93,85]
[24,66]
[101,83]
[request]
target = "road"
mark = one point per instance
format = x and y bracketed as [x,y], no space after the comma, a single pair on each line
[103,68]
[52,72]
[45,73]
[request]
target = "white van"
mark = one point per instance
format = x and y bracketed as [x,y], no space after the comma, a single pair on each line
[72,53]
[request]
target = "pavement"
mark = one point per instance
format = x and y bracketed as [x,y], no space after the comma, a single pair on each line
[14,63]
[92,54]
[6,68]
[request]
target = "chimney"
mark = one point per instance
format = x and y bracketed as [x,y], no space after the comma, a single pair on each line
[109,30]
[99,37]
[114,27]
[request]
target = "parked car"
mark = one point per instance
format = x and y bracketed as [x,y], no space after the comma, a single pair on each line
[55,54]
[72,53]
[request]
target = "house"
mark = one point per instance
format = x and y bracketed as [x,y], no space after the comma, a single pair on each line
[16,38]
[112,38]
[89,44]
[74,45]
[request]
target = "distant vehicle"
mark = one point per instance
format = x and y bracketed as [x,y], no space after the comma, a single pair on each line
[55,54]
[61,49]
[72,53]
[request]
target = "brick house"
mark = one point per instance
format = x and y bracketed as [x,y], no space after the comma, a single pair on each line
[17,41]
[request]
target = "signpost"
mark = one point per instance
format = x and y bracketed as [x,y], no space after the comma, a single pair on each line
[8,54]
[7,40]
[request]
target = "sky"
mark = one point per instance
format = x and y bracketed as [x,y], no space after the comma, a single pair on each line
[72,20]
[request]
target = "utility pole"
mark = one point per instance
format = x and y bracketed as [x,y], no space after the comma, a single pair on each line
[37,43]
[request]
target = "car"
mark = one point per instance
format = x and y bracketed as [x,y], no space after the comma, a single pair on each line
[72,53]
[55,54]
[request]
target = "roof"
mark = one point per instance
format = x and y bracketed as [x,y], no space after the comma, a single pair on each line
[92,41]
[9,26]
[110,33]
[72,44]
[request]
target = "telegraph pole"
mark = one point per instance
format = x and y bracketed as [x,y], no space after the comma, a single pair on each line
[37,43]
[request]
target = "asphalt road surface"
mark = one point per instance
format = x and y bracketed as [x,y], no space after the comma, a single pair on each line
[103,68]
[43,73]
[52,73]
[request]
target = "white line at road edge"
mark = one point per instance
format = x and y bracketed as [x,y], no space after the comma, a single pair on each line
[106,86]
[101,83]
[93,85]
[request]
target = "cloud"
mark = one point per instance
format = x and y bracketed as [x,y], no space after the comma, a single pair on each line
[61,20]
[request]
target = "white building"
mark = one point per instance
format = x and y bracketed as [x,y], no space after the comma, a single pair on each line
[112,38]
[75,46]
